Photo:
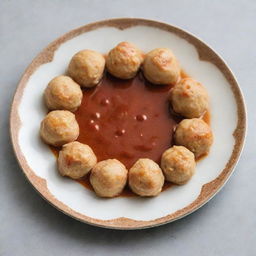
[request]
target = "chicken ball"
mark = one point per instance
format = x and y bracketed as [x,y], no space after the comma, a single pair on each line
[108,178]
[124,60]
[76,160]
[161,67]
[178,164]
[189,98]
[87,67]
[63,93]
[146,178]
[194,134]
[59,127]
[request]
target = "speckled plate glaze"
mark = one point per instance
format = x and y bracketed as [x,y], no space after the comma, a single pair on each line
[228,121]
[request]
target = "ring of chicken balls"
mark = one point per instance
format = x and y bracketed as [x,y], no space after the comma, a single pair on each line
[108,178]
[146,178]
[63,93]
[59,127]
[87,67]
[178,164]
[194,134]
[124,60]
[76,160]
[189,98]
[161,67]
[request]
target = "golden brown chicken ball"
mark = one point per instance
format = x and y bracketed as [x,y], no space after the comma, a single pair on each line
[108,178]
[178,164]
[161,67]
[63,93]
[76,160]
[124,60]
[146,178]
[189,98]
[87,67]
[194,134]
[59,127]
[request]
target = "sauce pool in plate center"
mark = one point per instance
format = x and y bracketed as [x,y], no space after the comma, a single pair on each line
[126,119]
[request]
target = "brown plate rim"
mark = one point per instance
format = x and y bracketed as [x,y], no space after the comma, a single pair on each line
[208,190]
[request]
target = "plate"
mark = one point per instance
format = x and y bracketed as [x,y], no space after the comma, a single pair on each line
[228,122]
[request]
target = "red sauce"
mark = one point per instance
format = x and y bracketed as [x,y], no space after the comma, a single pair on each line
[127,120]
[55,150]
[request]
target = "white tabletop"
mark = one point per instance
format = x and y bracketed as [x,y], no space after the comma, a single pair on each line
[30,226]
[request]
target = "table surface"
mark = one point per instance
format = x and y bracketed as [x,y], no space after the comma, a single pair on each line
[30,226]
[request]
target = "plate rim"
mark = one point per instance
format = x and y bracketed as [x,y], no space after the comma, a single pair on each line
[208,190]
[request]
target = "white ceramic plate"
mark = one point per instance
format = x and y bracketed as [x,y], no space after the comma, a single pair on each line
[228,122]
